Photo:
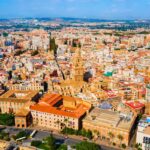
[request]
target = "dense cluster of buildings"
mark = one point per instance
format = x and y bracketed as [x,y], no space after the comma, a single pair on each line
[99,81]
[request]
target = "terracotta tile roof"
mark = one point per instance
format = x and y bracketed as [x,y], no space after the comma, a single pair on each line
[46,105]
[67,112]
[50,99]
[135,105]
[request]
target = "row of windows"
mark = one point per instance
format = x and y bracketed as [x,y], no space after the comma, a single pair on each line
[55,125]
[13,104]
[40,114]
[20,121]
[146,140]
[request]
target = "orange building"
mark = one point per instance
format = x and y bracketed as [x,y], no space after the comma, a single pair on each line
[55,112]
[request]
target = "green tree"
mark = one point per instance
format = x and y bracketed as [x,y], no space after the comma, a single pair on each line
[66,121]
[7,119]
[62,147]
[21,134]
[34,53]
[4,136]
[123,146]
[74,44]
[87,146]
[111,135]
[79,45]
[120,137]
[89,134]
[138,146]
[97,133]
[5,34]
[19,52]
[83,132]
[58,122]
[36,143]
[50,142]
[1,137]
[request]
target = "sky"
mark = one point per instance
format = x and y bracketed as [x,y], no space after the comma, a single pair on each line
[100,9]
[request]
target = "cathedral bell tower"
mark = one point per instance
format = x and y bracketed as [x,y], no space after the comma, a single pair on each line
[78,69]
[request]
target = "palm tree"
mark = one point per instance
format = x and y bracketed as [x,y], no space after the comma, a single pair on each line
[58,123]
[50,141]
[96,133]
[111,135]
[66,121]
[120,137]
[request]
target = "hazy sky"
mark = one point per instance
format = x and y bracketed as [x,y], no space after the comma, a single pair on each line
[102,9]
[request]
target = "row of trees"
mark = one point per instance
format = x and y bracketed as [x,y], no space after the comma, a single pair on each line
[83,132]
[111,137]
[49,143]
[119,136]
[87,146]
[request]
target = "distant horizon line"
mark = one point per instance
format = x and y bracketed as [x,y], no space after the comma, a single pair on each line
[83,18]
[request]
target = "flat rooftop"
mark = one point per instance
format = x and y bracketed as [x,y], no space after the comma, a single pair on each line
[18,95]
[100,117]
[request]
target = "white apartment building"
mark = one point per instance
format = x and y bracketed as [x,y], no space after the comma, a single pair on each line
[143,134]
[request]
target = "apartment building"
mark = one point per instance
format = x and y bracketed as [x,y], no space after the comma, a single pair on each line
[143,133]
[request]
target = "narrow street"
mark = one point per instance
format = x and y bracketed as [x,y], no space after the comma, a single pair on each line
[59,67]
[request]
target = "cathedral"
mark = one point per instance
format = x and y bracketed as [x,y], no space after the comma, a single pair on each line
[75,85]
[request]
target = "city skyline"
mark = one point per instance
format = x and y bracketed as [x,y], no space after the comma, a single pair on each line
[75,74]
[108,9]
